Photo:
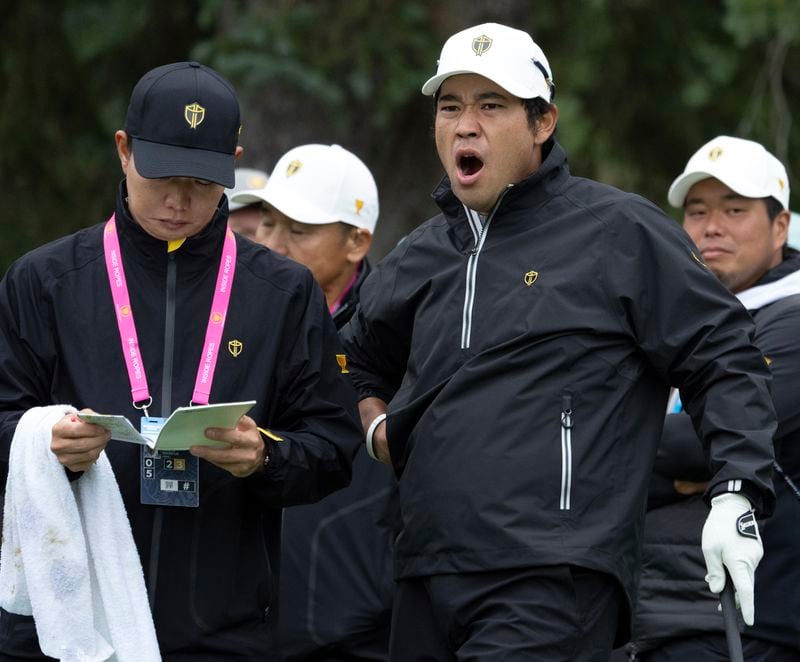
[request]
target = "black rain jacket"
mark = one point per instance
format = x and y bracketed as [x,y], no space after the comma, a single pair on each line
[336,562]
[206,568]
[674,599]
[527,357]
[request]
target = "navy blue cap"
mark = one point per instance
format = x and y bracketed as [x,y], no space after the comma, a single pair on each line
[184,122]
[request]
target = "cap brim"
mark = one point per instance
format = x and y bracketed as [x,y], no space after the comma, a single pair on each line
[680,187]
[433,84]
[156,160]
[292,206]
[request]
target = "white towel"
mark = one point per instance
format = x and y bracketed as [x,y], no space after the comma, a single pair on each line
[68,556]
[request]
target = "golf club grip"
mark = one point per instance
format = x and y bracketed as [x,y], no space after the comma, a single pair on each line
[731,623]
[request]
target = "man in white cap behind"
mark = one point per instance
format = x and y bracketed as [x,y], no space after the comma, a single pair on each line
[735,200]
[514,356]
[320,208]
[245,218]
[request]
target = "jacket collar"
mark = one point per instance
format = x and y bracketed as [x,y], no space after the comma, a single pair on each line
[348,306]
[195,254]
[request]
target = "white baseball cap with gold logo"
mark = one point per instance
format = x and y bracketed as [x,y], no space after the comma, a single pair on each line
[744,166]
[504,55]
[319,184]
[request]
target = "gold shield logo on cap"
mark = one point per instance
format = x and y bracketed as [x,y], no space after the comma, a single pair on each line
[359,206]
[293,167]
[481,44]
[235,347]
[715,153]
[194,114]
[530,277]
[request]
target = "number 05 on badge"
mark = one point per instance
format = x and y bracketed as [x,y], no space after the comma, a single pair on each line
[183,429]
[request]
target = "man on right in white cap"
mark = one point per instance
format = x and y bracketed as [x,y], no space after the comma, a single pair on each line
[514,356]
[735,200]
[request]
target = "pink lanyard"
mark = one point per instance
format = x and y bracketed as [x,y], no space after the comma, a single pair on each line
[127,328]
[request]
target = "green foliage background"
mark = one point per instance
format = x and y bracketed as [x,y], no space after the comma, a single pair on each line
[640,85]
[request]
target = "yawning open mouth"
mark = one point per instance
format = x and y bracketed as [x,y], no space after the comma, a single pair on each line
[469,165]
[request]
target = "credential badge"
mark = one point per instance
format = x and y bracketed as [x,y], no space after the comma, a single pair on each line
[481,44]
[194,114]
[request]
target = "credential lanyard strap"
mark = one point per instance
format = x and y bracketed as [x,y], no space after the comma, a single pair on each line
[127,328]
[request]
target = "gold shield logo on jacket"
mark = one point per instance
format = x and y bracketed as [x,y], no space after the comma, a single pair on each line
[530,277]
[341,359]
[481,44]
[194,114]
[235,347]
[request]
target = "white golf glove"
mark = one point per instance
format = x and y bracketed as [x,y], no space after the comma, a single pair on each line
[730,536]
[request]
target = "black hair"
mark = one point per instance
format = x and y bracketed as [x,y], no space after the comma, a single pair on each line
[535,108]
[773,208]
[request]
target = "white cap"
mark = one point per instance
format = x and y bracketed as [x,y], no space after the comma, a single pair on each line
[319,184]
[743,166]
[246,179]
[504,55]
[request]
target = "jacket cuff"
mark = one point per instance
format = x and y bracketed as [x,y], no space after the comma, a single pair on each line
[273,458]
[737,486]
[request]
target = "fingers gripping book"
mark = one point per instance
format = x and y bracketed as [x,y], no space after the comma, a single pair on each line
[183,429]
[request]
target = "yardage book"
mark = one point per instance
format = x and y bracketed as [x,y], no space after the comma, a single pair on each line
[183,429]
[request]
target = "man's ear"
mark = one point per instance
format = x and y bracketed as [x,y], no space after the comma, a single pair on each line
[123,149]
[359,241]
[546,125]
[780,229]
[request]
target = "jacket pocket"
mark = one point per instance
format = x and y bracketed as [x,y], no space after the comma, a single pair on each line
[567,422]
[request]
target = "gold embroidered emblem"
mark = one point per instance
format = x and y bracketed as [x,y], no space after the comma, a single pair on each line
[481,44]
[781,183]
[767,360]
[341,359]
[194,114]
[235,347]
[293,167]
[715,153]
[359,206]
[530,277]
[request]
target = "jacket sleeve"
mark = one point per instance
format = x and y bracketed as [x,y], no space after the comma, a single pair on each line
[27,352]
[680,454]
[377,338]
[315,415]
[699,338]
